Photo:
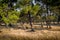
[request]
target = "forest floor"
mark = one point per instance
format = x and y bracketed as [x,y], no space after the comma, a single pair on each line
[20,34]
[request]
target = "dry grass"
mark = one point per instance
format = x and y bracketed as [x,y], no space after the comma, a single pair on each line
[19,34]
[55,28]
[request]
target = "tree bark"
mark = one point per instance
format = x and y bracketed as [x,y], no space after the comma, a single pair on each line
[7,25]
[47,13]
[30,21]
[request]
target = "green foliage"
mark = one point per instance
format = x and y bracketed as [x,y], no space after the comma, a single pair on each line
[13,18]
[52,18]
[55,9]
[5,20]
[35,9]
[52,2]
[26,9]
[9,16]
[24,2]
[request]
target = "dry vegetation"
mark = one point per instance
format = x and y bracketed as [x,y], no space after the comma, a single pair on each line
[19,34]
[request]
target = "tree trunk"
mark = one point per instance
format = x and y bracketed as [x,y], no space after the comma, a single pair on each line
[41,24]
[58,19]
[30,21]
[7,25]
[47,14]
